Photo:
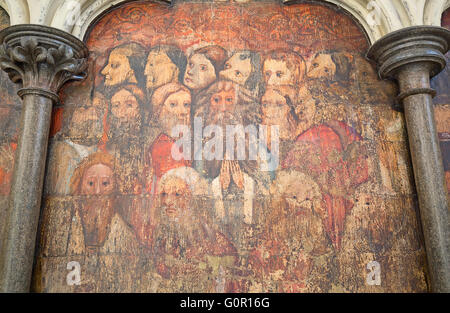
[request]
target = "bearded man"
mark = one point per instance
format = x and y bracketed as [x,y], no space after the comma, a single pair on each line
[234,182]
[109,243]
[124,136]
[183,243]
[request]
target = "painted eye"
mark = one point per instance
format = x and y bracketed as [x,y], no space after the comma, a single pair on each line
[326,70]
[316,65]
[172,104]
[294,197]
[187,104]
[238,73]
[177,194]
[105,183]
[267,74]
[130,104]
[216,99]
[191,64]
[279,74]
[203,67]
[229,99]
[91,183]
[227,66]
[115,65]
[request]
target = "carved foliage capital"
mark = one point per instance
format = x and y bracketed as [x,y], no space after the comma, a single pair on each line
[35,59]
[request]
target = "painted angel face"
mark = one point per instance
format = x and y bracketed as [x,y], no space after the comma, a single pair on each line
[124,105]
[98,180]
[322,66]
[200,72]
[118,69]
[276,73]
[160,70]
[237,69]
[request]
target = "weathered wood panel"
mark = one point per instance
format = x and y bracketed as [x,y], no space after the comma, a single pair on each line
[136,213]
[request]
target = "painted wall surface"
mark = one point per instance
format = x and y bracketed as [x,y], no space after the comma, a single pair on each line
[10,105]
[442,109]
[128,208]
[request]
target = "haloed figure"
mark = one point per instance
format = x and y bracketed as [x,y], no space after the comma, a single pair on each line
[203,67]
[244,68]
[125,65]
[284,68]
[165,64]
[94,179]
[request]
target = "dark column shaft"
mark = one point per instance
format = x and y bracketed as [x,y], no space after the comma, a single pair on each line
[41,59]
[411,56]
[428,172]
[26,190]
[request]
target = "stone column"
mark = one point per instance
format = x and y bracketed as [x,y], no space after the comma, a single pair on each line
[41,59]
[411,56]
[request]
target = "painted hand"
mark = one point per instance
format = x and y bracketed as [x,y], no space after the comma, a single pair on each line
[225,178]
[237,175]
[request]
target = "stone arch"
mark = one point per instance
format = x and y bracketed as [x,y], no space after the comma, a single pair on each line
[390,15]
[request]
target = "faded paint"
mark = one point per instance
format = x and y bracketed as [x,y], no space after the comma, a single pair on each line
[138,219]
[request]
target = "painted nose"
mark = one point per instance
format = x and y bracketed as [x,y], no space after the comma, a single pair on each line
[105,70]
[97,189]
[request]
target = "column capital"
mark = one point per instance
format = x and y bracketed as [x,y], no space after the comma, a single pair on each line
[411,45]
[41,59]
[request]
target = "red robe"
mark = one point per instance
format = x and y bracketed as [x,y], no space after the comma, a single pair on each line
[162,160]
[342,176]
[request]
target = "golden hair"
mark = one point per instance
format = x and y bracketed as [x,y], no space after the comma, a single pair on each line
[294,63]
[85,164]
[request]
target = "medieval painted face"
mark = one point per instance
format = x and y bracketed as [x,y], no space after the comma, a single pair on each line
[85,126]
[200,72]
[237,69]
[322,66]
[277,112]
[160,70]
[174,197]
[276,73]
[124,105]
[176,110]
[118,70]
[97,211]
[97,180]
[222,106]
[299,191]
[274,107]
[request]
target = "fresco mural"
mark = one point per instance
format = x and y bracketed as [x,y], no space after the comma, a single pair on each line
[143,194]
[442,109]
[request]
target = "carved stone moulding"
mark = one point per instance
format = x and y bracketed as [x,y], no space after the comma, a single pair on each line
[41,59]
[411,45]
